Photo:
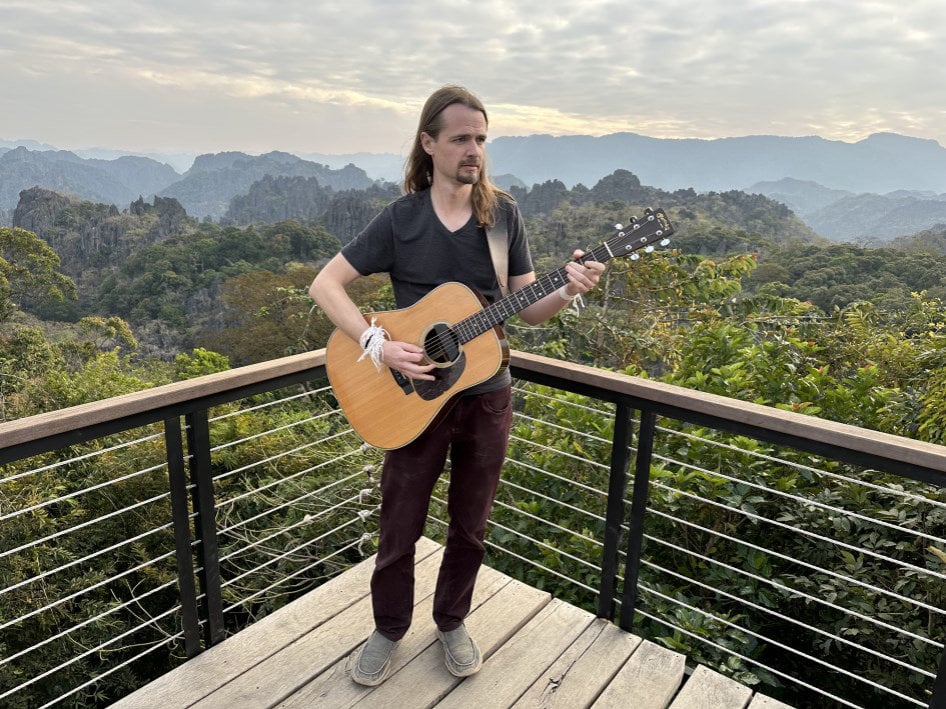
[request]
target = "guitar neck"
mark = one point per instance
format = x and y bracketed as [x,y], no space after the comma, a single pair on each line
[503,309]
[639,236]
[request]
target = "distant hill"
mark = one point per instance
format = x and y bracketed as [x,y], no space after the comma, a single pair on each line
[204,190]
[863,218]
[877,218]
[929,240]
[207,188]
[881,163]
[87,235]
[378,166]
[116,181]
[801,196]
[808,174]
[304,199]
[29,144]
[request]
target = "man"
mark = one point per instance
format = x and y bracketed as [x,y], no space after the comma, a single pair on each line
[436,233]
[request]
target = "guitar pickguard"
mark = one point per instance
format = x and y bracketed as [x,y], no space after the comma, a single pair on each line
[446,377]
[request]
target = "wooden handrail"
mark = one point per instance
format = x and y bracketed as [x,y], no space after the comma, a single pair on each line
[54,423]
[659,396]
[789,423]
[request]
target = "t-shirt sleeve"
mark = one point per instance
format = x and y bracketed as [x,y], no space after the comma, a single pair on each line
[372,250]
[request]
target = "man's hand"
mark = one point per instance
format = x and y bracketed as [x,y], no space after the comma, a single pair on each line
[582,277]
[406,358]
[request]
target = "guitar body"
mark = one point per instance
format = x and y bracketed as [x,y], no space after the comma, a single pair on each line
[385,408]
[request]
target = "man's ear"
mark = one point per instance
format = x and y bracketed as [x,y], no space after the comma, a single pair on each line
[426,143]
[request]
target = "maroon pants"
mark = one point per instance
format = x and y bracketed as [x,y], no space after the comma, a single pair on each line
[475,432]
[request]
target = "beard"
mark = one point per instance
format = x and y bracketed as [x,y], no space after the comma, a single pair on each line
[468,177]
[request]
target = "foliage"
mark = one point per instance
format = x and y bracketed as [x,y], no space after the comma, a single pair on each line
[837,275]
[199,364]
[29,268]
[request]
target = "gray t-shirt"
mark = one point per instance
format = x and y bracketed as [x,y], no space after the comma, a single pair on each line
[409,242]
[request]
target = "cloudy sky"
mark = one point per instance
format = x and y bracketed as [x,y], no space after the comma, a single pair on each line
[340,76]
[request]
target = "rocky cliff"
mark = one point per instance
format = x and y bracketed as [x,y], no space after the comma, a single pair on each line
[214,180]
[92,235]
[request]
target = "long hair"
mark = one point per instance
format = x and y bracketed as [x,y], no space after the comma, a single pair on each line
[418,172]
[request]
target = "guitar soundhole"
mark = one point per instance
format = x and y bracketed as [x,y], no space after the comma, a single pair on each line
[441,345]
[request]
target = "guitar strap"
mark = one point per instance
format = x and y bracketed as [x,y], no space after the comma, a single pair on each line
[498,238]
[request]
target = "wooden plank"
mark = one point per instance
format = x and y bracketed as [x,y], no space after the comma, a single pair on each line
[221,663]
[707,689]
[517,664]
[425,680]
[651,676]
[584,669]
[760,701]
[335,688]
[281,674]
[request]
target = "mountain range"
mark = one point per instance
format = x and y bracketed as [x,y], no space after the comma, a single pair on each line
[204,190]
[871,219]
[878,188]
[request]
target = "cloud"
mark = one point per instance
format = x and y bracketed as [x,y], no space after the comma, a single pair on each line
[341,76]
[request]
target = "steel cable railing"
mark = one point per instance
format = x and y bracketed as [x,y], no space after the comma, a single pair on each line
[814,569]
[743,629]
[810,586]
[665,487]
[285,554]
[537,495]
[813,688]
[808,598]
[112,670]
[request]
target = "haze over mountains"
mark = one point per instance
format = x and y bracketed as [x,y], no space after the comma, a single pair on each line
[884,186]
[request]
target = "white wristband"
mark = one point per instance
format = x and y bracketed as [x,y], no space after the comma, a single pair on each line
[372,342]
[563,294]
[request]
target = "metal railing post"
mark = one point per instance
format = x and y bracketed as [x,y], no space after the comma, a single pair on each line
[635,537]
[180,514]
[614,518]
[198,443]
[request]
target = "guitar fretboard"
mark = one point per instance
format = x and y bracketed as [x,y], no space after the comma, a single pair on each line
[492,315]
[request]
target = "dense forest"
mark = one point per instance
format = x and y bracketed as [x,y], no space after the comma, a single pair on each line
[746,302]
[180,284]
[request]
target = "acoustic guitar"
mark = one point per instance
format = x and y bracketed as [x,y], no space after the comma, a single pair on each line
[460,334]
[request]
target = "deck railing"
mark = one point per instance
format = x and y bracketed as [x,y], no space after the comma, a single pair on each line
[791,552]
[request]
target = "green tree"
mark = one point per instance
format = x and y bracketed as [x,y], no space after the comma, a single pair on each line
[29,269]
[201,362]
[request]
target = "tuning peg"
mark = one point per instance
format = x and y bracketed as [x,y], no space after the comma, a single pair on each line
[635,256]
[649,249]
[648,210]
[664,242]
[619,226]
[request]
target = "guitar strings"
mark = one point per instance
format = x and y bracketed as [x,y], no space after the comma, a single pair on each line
[482,320]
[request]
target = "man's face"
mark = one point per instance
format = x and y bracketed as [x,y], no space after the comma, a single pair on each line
[459,148]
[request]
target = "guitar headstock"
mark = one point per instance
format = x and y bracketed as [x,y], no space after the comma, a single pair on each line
[646,232]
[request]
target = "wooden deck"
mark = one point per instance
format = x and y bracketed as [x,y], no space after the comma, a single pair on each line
[540,652]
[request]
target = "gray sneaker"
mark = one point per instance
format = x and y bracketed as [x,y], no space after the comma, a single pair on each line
[460,653]
[374,660]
